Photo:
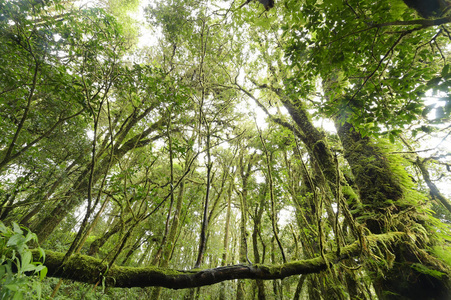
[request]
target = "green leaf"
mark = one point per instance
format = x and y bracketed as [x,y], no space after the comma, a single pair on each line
[425,270]
[42,271]
[391,137]
[17,228]
[18,295]
[41,253]
[17,240]
[3,228]
[25,260]
[13,287]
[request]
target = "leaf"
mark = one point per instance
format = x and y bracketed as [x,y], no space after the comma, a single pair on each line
[13,287]
[29,236]
[16,240]
[43,272]
[425,270]
[3,228]
[41,253]
[18,296]
[391,137]
[25,262]
[16,228]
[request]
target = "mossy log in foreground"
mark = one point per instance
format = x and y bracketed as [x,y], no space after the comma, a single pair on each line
[87,269]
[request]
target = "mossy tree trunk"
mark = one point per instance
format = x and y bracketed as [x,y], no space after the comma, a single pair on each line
[387,208]
[245,170]
[381,194]
[259,286]
[226,241]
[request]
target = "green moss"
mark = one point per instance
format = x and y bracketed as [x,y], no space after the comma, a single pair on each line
[425,270]
[51,257]
[350,194]
[443,252]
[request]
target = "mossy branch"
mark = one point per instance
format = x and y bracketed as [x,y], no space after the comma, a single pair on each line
[87,269]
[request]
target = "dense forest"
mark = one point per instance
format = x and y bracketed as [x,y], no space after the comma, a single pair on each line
[225,149]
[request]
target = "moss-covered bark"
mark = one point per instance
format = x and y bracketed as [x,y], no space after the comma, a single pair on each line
[379,190]
[87,269]
[414,273]
[245,170]
[259,285]
[314,140]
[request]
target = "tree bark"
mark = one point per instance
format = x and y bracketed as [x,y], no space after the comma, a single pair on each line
[245,172]
[225,255]
[83,268]
[256,233]
[382,194]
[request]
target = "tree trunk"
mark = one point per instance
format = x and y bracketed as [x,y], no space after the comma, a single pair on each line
[255,234]
[169,244]
[222,294]
[299,286]
[413,273]
[245,172]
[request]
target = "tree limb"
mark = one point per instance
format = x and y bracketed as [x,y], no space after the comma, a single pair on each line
[87,269]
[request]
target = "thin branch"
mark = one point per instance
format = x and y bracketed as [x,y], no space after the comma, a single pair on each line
[272,118]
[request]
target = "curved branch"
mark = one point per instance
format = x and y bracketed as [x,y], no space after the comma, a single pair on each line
[87,269]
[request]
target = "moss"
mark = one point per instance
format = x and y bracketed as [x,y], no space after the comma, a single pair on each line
[51,257]
[425,270]
[87,269]
[443,252]
[373,173]
[350,194]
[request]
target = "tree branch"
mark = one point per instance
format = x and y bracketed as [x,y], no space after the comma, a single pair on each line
[87,269]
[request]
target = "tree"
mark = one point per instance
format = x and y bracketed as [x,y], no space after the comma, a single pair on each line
[159,154]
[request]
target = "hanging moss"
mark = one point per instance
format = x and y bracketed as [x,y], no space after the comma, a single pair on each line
[425,270]
[87,269]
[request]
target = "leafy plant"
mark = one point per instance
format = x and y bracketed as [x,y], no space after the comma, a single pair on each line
[16,264]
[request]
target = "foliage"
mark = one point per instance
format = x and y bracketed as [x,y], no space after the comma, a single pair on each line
[135,157]
[20,276]
[372,71]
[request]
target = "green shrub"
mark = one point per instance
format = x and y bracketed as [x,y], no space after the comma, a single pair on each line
[20,276]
